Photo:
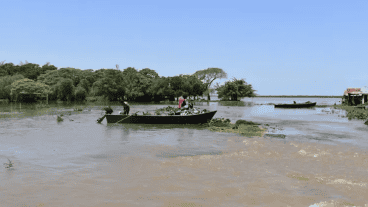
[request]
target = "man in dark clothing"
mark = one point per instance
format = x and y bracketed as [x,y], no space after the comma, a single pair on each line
[126,107]
[191,104]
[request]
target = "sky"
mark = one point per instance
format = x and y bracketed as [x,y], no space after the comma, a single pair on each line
[280,47]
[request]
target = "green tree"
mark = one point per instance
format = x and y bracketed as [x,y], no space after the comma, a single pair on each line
[28,86]
[7,69]
[5,85]
[149,73]
[30,70]
[209,75]
[177,85]
[235,89]
[66,90]
[160,89]
[110,85]
[136,84]
[84,84]
[47,67]
[80,94]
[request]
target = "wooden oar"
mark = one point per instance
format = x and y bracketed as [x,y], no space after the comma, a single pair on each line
[123,119]
[100,119]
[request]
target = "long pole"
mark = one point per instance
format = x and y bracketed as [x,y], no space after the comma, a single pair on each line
[123,119]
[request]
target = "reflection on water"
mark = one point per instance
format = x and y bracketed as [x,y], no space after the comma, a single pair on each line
[310,156]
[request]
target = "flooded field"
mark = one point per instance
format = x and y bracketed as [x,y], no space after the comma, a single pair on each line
[309,157]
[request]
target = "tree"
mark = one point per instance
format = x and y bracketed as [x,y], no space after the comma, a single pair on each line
[5,85]
[28,86]
[80,94]
[47,67]
[160,89]
[84,84]
[177,85]
[192,86]
[66,90]
[149,73]
[235,89]
[7,69]
[110,85]
[209,75]
[136,84]
[30,70]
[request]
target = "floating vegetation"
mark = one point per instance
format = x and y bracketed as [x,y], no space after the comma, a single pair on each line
[147,113]
[77,109]
[108,110]
[8,165]
[245,128]
[219,122]
[59,118]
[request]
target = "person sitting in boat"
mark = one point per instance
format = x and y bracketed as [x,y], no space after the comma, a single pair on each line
[191,104]
[126,108]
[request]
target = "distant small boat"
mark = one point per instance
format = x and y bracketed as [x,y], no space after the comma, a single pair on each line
[296,105]
[159,119]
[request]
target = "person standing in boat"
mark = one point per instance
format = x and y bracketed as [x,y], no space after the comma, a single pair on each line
[126,107]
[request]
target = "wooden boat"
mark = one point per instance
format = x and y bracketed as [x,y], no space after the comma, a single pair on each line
[158,119]
[296,105]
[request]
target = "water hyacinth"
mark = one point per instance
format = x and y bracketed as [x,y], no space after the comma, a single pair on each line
[8,165]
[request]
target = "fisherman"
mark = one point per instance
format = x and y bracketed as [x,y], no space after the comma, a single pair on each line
[191,104]
[126,107]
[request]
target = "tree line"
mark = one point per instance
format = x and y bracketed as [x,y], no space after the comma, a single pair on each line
[71,84]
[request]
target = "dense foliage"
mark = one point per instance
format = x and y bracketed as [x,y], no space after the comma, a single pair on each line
[235,89]
[70,84]
[28,86]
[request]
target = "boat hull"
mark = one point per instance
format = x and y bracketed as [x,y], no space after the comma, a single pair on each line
[157,119]
[298,105]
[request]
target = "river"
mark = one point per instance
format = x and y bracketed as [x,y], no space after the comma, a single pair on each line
[309,156]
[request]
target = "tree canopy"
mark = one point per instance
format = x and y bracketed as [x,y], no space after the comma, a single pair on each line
[114,84]
[237,88]
[209,75]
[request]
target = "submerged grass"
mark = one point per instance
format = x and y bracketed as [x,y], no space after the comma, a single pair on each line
[354,112]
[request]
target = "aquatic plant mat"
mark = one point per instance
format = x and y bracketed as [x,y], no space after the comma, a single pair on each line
[242,127]
[249,172]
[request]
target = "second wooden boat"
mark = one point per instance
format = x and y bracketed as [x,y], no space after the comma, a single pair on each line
[296,105]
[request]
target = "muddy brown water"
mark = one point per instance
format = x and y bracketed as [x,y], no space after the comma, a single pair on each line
[313,156]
